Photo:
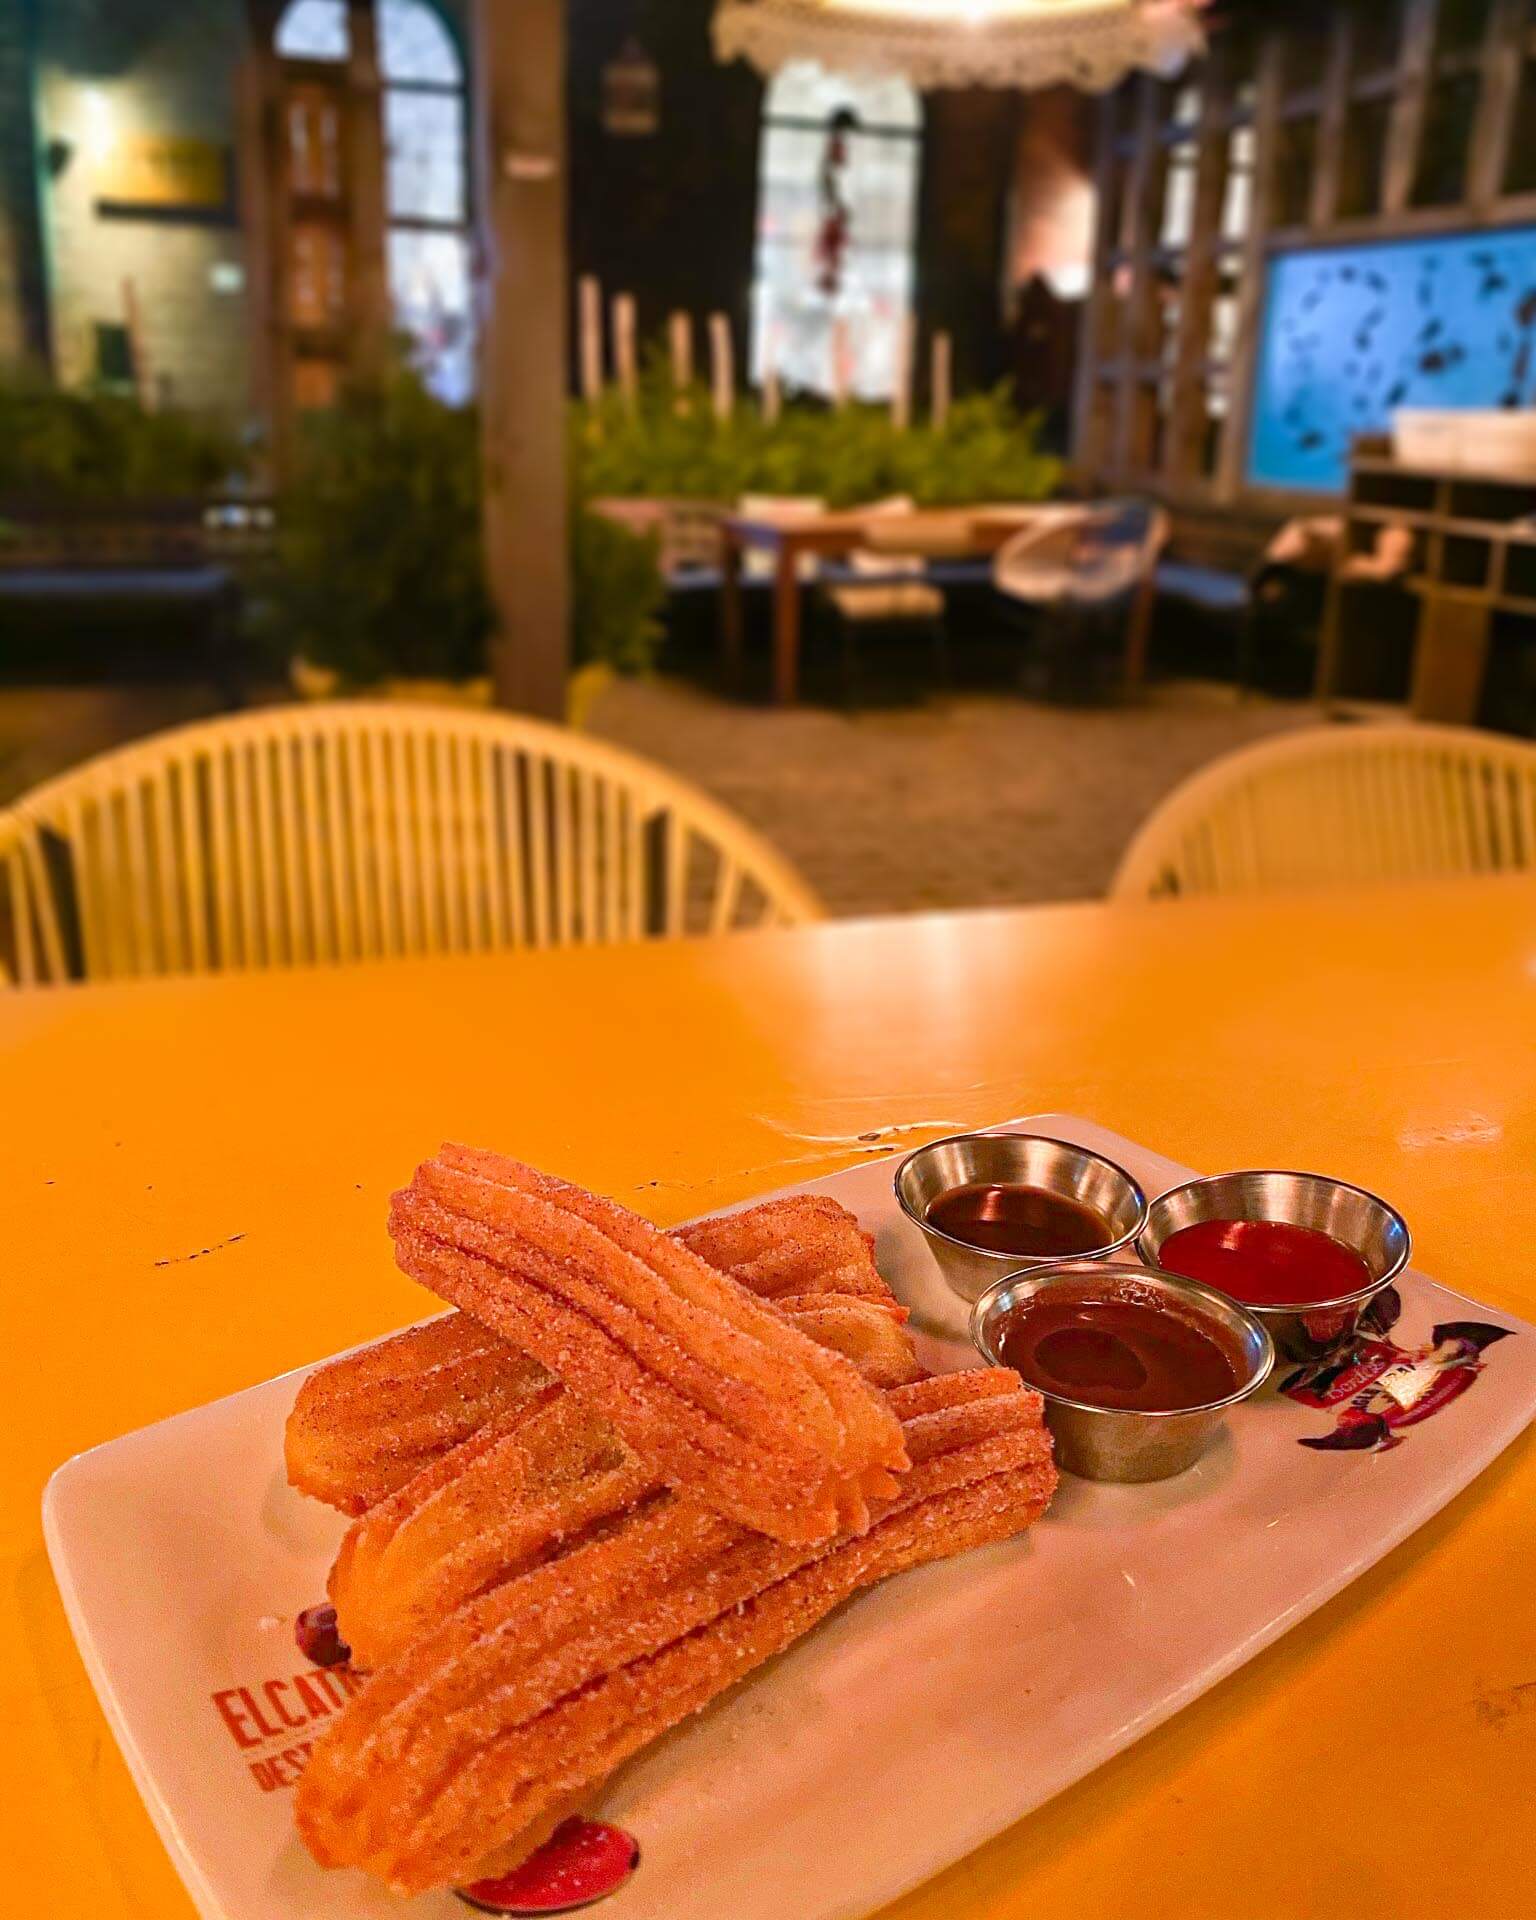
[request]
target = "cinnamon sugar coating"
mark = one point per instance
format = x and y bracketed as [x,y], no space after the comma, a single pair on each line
[457,1755]
[716,1392]
[363,1425]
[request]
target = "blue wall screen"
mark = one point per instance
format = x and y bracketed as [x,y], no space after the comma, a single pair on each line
[1353,333]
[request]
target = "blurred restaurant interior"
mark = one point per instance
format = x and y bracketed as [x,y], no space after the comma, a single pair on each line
[716,593]
[843,346]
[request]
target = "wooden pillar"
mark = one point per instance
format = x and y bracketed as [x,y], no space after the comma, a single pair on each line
[258,144]
[1184,449]
[1503,64]
[1407,127]
[1090,443]
[1232,470]
[1140,339]
[519,116]
[1332,124]
[368,303]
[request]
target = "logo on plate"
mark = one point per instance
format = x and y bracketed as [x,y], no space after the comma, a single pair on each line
[274,1722]
[582,1862]
[1376,1388]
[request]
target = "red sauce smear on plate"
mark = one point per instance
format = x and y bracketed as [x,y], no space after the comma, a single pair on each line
[1265,1263]
[317,1637]
[582,1861]
[1013,1218]
[1117,1353]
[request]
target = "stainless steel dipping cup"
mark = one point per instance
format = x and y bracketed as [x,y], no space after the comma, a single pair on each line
[1116,1443]
[1356,1219]
[1015,1159]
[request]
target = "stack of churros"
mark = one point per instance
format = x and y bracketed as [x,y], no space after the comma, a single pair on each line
[629,1469]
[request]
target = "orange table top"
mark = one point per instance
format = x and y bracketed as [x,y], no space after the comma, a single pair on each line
[1382,1752]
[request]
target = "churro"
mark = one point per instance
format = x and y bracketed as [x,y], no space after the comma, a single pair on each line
[719,1394]
[803,1243]
[456,1758]
[366,1423]
[529,1482]
[363,1425]
[859,1329]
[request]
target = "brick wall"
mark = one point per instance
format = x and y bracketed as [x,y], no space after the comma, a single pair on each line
[108,70]
[23,310]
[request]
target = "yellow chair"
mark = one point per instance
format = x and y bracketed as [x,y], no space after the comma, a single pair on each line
[1341,805]
[300,835]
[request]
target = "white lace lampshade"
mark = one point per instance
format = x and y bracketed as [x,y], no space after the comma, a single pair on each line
[1090,44]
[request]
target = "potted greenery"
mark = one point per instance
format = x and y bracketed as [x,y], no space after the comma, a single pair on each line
[377,578]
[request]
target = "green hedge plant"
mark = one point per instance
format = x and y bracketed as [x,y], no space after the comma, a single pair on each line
[670,446]
[378,569]
[60,446]
[379,566]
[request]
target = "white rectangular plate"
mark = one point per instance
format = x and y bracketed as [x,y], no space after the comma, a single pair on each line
[183,1556]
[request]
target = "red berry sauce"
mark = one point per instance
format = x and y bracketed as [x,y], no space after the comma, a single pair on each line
[1265,1263]
[582,1861]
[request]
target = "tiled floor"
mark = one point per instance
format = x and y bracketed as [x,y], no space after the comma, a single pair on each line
[973,801]
[977,800]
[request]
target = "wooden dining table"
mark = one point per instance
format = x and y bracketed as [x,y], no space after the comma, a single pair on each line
[195,1175]
[929,533]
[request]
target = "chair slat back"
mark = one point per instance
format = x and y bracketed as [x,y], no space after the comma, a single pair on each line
[1342,805]
[313,835]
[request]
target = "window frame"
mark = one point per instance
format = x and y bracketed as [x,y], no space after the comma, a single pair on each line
[461,228]
[1127,433]
[911,137]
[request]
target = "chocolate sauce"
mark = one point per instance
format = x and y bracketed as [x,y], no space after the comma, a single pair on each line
[1117,1353]
[1018,1219]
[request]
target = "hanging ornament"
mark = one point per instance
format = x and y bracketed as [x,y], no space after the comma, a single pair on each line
[631,93]
[836,215]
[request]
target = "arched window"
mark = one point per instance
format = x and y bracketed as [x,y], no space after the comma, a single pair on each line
[837,207]
[426,180]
